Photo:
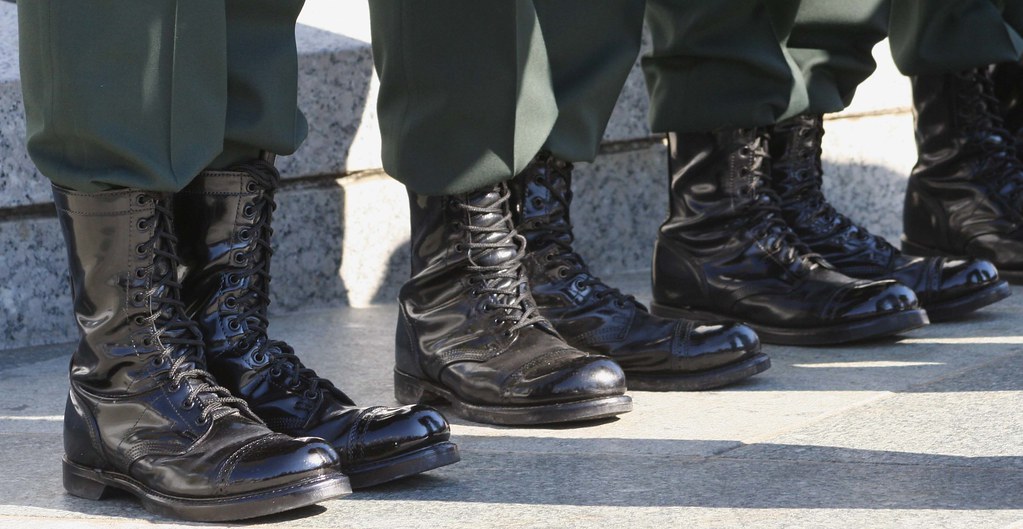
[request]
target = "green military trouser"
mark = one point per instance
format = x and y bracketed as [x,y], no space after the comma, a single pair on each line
[704,74]
[471,90]
[148,93]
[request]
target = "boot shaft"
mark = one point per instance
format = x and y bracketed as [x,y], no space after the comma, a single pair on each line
[123,274]
[541,200]
[227,219]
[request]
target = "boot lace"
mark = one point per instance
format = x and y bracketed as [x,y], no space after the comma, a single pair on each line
[555,231]
[504,281]
[764,214]
[803,194]
[979,110]
[179,336]
[254,265]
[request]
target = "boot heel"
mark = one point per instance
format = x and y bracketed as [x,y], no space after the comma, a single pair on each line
[408,390]
[76,484]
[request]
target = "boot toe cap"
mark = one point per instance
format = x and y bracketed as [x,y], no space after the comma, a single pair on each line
[275,460]
[580,377]
[874,298]
[388,432]
[713,345]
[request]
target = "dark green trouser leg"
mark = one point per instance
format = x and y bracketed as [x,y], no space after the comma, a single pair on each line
[135,94]
[465,91]
[943,36]
[832,42]
[591,47]
[721,63]
[472,89]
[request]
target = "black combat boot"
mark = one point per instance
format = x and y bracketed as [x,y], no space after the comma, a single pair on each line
[725,252]
[947,288]
[965,194]
[657,354]
[143,415]
[224,220]
[469,331]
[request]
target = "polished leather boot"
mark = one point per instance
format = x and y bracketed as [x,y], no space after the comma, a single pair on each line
[469,331]
[142,413]
[947,288]
[224,222]
[725,252]
[657,354]
[965,194]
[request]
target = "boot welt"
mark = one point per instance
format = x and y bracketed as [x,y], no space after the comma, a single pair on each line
[700,380]
[412,390]
[93,484]
[843,333]
[403,465]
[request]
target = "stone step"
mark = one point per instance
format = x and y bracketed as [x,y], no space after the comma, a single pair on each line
[343,225]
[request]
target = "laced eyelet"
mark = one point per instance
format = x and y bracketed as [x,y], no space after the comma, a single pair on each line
[459,247]
[233,279]
[249,211]
[538,179]
[159,361]
[141,249]
[549,257]
[147,341]
[240,258]
[174,387]
[537,202]
[474,293]
[260,358]
[234,325]
[142,224]
[202,420]
[251,187]
[187,404]
[244,234]
[138,298]
[485,307]
[231,302]
[563,272]
[141,199]
[139,320]
[311,395]
[275,372]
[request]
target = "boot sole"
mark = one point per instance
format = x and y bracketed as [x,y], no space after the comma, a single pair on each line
[93,484]
[954,309]
[855,331]
[404,465]
[1013,276]
[412,390]
[701,380]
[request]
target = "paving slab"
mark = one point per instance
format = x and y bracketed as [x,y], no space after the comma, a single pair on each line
[919,431]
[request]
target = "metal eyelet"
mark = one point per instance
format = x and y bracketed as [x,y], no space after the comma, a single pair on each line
[139,320]
[230,302]
[233,279]
[202,420]
[141,249]
[240,258]
[187,404]
[260,358]
[244,234]
[538,179]
[275,372]
[563,272]
[249,211]
[174,387]
[251,187]
[141,199]
[507,334]
[234,325]
[311,395]
[138,298]
[537,202]
[142,224]
[147,341]
[159,361]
